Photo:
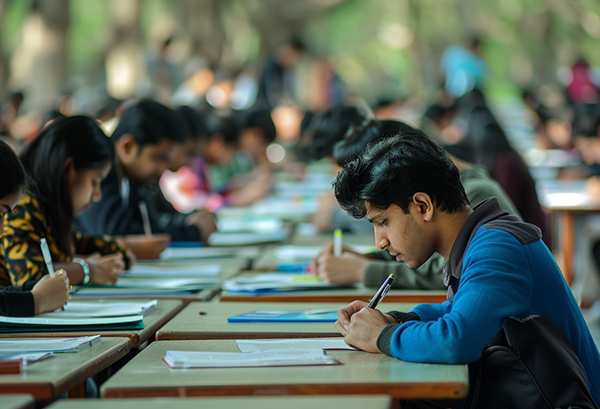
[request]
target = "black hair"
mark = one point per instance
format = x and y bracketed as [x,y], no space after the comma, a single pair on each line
[359,137]
[261,118]
[192,122]
[150,122]
[329,127]
[13,176]
[392,170]
[77,137]
[223,125]
[586,120]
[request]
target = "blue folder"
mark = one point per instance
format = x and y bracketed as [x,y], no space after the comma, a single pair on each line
[286,316]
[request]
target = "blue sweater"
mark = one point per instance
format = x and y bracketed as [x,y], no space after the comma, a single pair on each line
[498,267]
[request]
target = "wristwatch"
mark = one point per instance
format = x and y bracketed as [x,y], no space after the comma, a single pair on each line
[86,270]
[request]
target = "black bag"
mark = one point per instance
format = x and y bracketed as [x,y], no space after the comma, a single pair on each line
[529,364]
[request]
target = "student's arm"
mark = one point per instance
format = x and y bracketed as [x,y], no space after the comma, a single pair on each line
[494,285]
[16,303]
[104,245]
[427,277]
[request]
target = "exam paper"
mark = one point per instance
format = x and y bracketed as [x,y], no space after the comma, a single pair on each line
[25,357]
[137,270]
[90,309]
[243,239]
[182,253]
[249,345]
[194,359]
[35,345]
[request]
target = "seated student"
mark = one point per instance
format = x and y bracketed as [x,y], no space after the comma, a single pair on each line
[145,140]
[67,162]
[372,269]
[166,214]
[34,296]
[498,266]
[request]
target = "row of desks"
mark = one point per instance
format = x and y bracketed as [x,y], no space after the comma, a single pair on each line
[177,324]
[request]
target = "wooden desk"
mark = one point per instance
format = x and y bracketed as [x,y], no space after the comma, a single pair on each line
[185,298]
[17,402]
[566,200]
[153,320]
[146,375]
[246,402]
[189,324]
[52,377]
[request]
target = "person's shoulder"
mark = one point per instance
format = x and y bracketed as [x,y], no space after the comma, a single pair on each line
[510,226]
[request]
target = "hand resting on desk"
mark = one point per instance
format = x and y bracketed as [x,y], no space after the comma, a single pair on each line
[347,269]
[361,326]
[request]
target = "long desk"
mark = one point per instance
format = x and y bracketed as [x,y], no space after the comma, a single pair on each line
[146,375]
[189,324]
[246,402]
[153,320]
[17,402]
[50,378]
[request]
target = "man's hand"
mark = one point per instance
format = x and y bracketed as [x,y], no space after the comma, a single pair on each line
[347,269]
[205,222]
[361,325]
[106,269]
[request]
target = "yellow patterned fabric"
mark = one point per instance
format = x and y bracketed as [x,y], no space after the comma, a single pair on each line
[20,254]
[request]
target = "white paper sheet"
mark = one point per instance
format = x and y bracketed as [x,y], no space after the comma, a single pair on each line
[31,345]
[91,309]
[212,270]
[194,359]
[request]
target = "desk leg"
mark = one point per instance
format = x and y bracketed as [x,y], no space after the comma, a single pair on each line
[77,392]
[567,239]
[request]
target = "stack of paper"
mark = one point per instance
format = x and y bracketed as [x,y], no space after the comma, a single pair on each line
[277,282]
[37,324]
[45,345]
[253,224]
[251,345]
[192,359]
[184,253]
[81,309]
[149,286]
[146,271]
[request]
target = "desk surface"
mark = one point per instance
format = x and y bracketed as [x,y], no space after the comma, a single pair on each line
[153,320]
[246,402]
[189,324]
[146,375]
[185,298]
[50,378]
[18,402]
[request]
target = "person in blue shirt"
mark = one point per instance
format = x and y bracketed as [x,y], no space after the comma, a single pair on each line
[498,266]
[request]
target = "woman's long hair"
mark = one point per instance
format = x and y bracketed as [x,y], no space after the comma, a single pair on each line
[13,176]
[77,137]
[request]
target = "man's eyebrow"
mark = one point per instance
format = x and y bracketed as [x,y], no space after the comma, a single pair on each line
[375,218]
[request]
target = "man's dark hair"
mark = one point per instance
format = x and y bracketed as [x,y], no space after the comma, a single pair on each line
[150,122]
[224,125]
[391,171]
[260,118]
[359,137]
[192,122]
[329,127]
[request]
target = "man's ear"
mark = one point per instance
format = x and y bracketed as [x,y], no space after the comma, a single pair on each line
[127,148]
[424,206]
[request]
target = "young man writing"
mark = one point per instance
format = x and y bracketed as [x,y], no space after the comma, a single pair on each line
[498,267]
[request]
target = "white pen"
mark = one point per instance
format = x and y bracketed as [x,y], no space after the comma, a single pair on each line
[47,256]
[337,243]
[145,218]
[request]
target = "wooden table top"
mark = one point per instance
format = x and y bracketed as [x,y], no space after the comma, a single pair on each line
[146,375]
[153,320]
[189,324]
[247,402]
[52,377]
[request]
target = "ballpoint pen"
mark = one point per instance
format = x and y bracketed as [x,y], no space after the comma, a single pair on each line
[47,256]
[381,293]
[145,218]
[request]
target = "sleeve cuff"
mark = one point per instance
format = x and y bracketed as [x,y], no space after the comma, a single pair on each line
[18,304]
[403,317]
[384,340]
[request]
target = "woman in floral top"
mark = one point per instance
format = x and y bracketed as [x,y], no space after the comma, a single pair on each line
[68,160]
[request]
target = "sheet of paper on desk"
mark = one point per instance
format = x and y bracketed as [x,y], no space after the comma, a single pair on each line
[31,345]
[243,239]
[250,345]
[253,224]
[212,270]
[194,359]
[285,316]
[91,309]
[301,253]
[24,357]
[37,324]
[165,283]
[277,282]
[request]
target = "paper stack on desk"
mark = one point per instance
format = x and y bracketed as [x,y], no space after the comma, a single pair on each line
[277,282]
[145,271]
[194,359]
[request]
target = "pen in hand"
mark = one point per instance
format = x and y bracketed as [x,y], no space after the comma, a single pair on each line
[382,292]
[47,256]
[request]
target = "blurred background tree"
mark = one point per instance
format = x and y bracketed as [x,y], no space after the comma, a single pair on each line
[380,49]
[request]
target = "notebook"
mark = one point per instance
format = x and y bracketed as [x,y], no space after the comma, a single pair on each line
[286,316]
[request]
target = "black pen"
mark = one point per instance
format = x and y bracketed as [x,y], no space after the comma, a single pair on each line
[381,293]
